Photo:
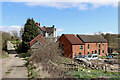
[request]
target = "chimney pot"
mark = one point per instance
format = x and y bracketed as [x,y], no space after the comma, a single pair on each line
[39,24]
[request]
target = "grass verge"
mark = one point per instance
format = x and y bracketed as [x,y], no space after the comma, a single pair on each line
[5,55]
[31,72]
[89,73]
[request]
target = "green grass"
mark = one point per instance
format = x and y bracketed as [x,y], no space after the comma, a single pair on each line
[103,57]
[93,73]
[14,42]
[31,72]
[10,69]
[25,55]
[7,72]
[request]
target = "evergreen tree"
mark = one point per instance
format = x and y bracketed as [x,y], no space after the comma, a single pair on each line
[30,32]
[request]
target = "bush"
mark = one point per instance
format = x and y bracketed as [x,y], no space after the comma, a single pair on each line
[25,55]
[5,55]
[19,47]
[49,57]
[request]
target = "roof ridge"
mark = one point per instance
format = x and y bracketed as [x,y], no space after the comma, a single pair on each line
[73,39]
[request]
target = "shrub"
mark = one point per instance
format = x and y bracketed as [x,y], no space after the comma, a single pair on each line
[5,55]
[19,47]
[49,57]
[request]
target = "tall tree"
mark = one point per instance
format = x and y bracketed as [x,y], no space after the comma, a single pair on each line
[30,32]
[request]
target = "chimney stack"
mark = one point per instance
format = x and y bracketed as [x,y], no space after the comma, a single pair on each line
[39,24]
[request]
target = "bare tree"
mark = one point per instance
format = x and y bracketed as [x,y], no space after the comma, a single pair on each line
[15,33]
[21,31]
[49,56]
[48,51]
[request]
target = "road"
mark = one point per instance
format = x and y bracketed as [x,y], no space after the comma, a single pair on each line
[13,67]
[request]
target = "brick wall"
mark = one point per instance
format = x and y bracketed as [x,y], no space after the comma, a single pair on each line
[67,46]
[76,49]
[70,50]
[94,46]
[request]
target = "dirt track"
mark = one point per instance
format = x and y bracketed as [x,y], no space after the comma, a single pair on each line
[13,67]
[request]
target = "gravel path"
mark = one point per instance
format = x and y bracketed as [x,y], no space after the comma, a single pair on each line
[13,67]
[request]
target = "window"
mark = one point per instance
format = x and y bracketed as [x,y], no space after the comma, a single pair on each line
[62,54]
[88,46]
[62,46]
[99,46]
[79,53]
[92,52]
[88,53]
[96,44]
[95,51]
[103,44]
[81,47]
[103,51]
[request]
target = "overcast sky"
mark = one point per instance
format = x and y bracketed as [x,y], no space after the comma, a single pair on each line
[68,17]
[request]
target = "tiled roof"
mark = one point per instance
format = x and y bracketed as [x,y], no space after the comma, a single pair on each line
[73,39]
[92,38]
[39,38]
[45,28]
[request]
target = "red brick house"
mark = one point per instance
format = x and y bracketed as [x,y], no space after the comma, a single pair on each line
[73,45]
[70,44]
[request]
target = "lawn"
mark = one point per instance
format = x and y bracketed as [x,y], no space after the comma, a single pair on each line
[89,73]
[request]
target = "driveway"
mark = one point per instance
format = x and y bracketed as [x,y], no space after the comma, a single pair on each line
[13,67]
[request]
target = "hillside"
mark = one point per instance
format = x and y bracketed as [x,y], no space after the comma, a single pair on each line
[113,41]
